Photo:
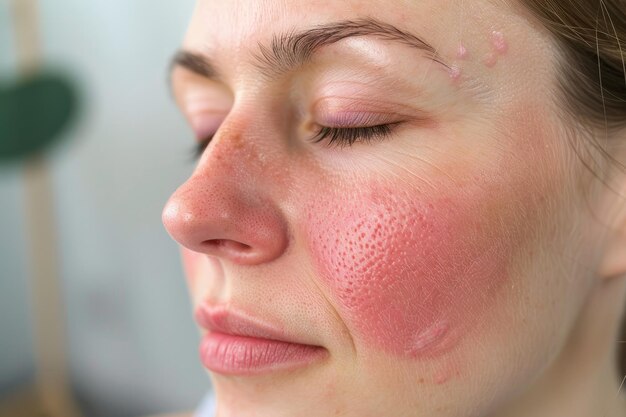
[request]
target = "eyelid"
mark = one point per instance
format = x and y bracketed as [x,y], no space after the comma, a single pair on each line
[204,101]
[351,119]
[338,111]
[205,126]
[205,104]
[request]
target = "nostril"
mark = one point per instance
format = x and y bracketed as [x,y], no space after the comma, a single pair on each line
[227,245]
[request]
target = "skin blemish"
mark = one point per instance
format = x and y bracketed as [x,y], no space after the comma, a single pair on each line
[454,73]
[410,273]
[428,337]
[499,43]
[462,52]
[491,59]
[445,375]
[499,47]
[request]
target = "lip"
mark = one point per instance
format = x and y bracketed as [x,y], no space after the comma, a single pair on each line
[238,344]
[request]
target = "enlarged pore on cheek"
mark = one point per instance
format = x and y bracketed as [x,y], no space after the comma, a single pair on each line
[409,274]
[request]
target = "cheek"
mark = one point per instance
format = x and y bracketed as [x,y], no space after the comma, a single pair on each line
[409,273]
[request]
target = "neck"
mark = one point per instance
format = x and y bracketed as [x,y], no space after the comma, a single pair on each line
[584,380]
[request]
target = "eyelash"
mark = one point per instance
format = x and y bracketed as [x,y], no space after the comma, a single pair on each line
[198,148]
[348,136]
[335,136]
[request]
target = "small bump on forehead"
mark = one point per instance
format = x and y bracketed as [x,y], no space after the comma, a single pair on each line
[462,52]
[498,42]
[454,72]
[499,47]
[491,59]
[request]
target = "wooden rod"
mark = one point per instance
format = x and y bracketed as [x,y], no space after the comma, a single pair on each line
[47,307]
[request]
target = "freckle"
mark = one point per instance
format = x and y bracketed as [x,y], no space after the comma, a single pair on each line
[237,141]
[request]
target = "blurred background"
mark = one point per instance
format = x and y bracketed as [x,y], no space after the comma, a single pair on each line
[94,313]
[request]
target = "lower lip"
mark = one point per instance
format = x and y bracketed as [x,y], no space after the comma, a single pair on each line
[240,355]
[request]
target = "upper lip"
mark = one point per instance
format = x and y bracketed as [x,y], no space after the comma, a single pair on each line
[223,319]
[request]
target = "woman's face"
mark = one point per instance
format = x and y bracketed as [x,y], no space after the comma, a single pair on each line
[395,189]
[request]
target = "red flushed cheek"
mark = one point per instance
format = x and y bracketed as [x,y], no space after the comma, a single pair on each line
[410,274]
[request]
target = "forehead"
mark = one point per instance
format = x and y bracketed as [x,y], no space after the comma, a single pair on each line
[232,33]
[237,26]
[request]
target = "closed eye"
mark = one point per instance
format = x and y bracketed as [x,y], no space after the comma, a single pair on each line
[199,148]
[348,136]
[333,136]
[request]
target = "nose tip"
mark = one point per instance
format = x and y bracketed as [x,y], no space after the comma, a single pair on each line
[224,224]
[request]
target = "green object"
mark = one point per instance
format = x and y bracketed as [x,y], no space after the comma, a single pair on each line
[33,112]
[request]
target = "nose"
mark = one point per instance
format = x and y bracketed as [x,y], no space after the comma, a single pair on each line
[226,208]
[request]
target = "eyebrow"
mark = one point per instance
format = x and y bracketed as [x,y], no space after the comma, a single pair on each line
[293,49]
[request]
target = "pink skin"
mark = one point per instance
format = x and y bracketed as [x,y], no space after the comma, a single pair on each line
[412,269]
[499,47]
[191,263]
[462,52]
[499,43]
[241,355]
[427,253]
[455,70]
[412,272]
[454,73]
